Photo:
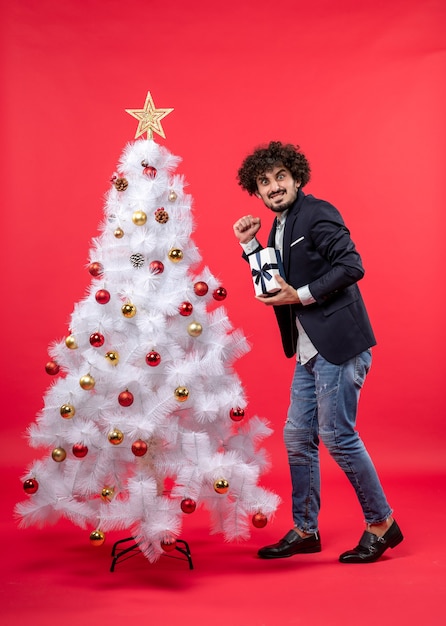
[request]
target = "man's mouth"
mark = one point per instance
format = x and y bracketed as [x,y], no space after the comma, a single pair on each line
[277,194]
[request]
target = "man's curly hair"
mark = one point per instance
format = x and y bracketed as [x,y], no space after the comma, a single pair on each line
[264,158]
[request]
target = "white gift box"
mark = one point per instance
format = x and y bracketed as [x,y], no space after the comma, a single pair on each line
[265,266]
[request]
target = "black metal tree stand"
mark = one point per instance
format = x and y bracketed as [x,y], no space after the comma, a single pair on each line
[121,553]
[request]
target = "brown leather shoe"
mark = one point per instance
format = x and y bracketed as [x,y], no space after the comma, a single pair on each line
[290,545]
[371,547]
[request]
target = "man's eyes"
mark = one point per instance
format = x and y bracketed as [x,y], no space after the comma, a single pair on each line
[266,181]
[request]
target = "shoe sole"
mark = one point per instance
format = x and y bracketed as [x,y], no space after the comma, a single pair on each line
[287,556]
[395,542]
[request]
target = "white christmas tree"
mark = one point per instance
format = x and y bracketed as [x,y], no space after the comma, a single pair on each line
[146,417]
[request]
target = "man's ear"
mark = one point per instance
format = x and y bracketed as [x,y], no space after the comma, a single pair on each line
[256,193]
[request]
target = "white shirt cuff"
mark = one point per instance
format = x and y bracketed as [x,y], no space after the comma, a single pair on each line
[305,296]
[248,248]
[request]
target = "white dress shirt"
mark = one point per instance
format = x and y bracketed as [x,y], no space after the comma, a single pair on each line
[305,349]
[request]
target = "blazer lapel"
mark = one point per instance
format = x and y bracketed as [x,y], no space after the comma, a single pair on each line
[289,229]
[272,235]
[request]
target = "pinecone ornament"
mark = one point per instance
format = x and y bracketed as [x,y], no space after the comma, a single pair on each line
[121,184]
[137,259]
[161,216]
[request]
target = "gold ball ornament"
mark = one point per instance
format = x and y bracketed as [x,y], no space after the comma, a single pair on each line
[67,411]
[172,196]
[112,357]
[107,494]
[175,255]
[59,455]
[181,394]
[221,485]
[139,218]
[195,329]
[97,538]
[70,342]
[128,310]
[115,437]
[119,233]
[87,382]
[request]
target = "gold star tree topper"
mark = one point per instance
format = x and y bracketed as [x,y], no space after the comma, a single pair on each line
[149,118]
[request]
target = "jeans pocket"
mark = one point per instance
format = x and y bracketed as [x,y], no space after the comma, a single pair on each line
[363,363]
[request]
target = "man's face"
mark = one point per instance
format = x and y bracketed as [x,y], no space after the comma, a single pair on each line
[277,188]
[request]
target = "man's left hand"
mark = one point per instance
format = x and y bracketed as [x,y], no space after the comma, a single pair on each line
[286,295]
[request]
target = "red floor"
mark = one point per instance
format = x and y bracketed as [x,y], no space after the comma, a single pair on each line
[53,575]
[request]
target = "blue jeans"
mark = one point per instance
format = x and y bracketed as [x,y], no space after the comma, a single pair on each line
[324,403]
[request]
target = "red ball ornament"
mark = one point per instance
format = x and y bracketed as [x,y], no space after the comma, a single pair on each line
[125,398]
[188,505]
[79,450]
[97,340]
[102,296]
[201,288]
[139,447]
[153,358]
[220,293]
[237,414]
[169,544]
[52,368]
[31,485]
[259,520]
[156,267]
[185,309]
[96,269]
[149,171]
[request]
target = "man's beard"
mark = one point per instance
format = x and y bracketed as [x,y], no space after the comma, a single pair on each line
[281,207]
[284,206]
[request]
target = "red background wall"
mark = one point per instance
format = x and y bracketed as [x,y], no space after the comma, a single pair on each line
[358,84]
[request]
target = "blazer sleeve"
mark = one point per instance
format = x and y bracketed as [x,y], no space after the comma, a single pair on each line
[332,241]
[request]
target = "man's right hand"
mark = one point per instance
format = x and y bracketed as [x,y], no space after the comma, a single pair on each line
[246,228]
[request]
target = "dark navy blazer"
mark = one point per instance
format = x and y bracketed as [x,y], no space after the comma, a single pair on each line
[318,251]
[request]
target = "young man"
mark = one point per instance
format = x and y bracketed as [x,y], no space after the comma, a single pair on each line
[322,318]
